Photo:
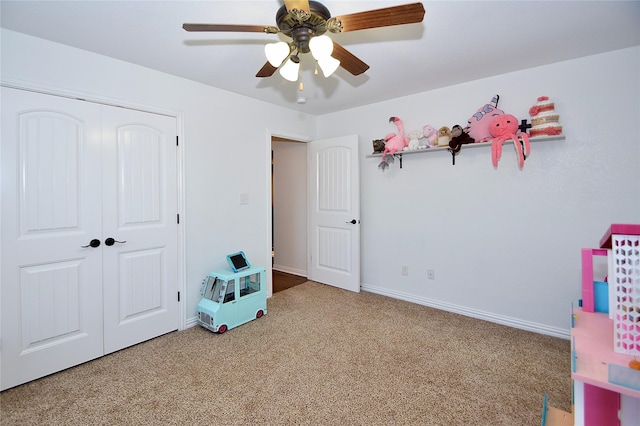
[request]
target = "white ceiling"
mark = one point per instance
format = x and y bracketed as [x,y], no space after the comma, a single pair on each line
[458,41]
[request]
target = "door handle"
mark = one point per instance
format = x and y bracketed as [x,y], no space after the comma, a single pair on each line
[110,241]
[93,243]
[353,221]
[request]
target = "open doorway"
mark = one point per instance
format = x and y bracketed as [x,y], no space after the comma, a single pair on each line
[288,213]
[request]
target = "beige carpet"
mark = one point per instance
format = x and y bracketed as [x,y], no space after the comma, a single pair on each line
[320,356]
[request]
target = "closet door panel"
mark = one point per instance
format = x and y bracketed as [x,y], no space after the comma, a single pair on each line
[50,211]
[140,214]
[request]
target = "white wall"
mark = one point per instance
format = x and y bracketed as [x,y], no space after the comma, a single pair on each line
[504,243]
[290,207]
[226,144]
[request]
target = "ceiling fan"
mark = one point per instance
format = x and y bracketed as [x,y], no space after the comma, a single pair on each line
[306,23]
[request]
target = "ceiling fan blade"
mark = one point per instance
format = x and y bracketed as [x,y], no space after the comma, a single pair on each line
[267,70]
[386,17]
[348,60]
[297,4]
[231,28]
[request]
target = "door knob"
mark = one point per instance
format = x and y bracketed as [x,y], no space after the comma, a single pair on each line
[93,243]
[110,241]
[352,221]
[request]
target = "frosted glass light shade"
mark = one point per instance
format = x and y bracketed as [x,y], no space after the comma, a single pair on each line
[290,70]
[328,65]
[276,52]
[321,47]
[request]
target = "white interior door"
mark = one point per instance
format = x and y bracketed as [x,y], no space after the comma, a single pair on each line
[334,212]
[140,214]
[73,173]
[51,209]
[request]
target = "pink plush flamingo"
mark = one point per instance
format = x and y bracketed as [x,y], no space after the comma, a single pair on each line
[394,142]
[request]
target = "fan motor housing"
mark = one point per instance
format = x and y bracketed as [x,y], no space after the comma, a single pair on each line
[302,26]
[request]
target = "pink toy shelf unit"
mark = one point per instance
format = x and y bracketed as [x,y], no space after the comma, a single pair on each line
[623,243]
[621,298]
[605,334]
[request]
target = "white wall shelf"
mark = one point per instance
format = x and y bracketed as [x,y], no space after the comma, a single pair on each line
[399,155]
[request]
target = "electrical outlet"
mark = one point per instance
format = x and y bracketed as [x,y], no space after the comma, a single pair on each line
[431,274]
[405,270]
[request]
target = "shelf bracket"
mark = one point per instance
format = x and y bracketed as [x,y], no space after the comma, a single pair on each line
[399,156]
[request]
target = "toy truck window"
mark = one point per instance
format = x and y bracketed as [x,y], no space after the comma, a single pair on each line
[249,284]
[230,295]
[212,289]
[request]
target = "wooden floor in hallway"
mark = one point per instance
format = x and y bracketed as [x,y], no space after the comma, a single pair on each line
[283,281]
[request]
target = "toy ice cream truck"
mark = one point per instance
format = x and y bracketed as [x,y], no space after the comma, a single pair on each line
[233,297]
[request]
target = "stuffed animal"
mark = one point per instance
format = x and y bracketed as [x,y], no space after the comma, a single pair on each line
[455,144]
[503,128]
[459,136]
[414,140]
[444,136]
[478,124]
[430,136]
[378,146]
[394,142]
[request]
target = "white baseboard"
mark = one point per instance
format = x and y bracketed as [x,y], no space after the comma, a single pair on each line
[473,313]
[292,271]
[456,309]
[191,322]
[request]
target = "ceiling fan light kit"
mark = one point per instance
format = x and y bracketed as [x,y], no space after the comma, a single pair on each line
[290,69]
[276,53]
[321,47]
[306,23]
[328,65]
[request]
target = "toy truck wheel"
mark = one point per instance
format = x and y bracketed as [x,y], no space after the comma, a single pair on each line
[259,313]
[222,329]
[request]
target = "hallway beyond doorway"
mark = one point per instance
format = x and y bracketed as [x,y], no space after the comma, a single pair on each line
[283,281]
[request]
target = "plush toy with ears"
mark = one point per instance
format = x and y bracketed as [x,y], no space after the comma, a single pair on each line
[378,145]
[444,136]
[459,136]
[414,140]
[430,135]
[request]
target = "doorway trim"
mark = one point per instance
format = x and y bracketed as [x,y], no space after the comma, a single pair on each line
[180,184]
[296,137]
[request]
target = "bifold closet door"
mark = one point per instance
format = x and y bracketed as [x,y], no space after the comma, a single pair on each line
[75,176]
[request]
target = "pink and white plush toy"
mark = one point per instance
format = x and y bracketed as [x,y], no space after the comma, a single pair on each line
[505,127]
[394,142]
[478,124]
[430,135]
